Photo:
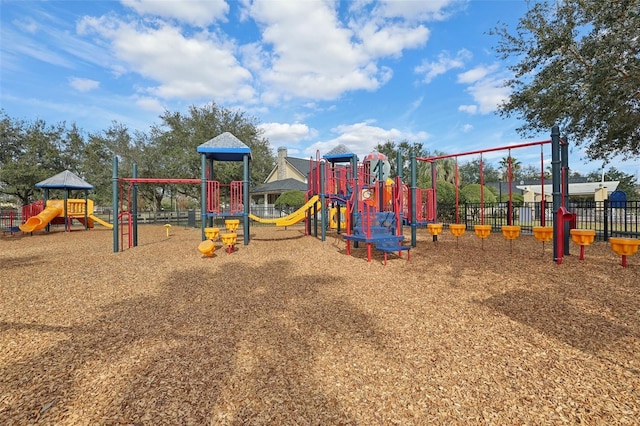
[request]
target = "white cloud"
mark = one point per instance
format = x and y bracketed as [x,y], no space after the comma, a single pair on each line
[470,109]
[390,40]
[477,73]
[466,128]
[486,87]
[195,12]
[432,10]
[361,138]
[28,25]
[150,104]
[83,84]
[202,66]
[281,133]
[444,63]
[320,57]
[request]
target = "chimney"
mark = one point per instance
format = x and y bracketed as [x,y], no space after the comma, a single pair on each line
[282,163]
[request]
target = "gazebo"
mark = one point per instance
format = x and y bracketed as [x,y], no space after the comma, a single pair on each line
[68,182]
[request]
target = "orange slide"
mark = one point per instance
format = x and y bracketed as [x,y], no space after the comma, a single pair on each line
[54,209]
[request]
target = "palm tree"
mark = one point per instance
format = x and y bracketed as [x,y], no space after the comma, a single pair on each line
[445,170]
[516,166]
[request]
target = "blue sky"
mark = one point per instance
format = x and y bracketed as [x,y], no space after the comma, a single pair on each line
[314,73]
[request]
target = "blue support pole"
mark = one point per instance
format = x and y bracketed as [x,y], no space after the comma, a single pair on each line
[413,201]
[246,198]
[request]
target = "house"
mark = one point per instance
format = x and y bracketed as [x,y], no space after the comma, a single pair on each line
[289,174]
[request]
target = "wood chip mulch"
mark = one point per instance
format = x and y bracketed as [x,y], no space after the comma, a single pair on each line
[289,330]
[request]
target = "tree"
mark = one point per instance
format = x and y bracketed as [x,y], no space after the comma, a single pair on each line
[173,145]
[516,166]
[578,66]
[34,151]
[470,172]
[405,149]
[628,183]
[289,201]
[445,170]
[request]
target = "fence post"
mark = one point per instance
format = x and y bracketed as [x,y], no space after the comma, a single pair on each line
[605,219]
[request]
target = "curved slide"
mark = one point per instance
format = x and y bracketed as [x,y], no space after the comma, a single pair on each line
[293,218]
[41,220]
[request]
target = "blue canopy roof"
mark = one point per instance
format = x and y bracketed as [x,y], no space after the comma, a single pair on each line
[224,147]
[64,180]
[340,154]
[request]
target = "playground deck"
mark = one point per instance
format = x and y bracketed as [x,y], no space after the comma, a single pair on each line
[290,330]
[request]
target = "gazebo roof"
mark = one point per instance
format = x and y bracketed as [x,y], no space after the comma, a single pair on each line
[339,154]
[224,147]
[64,180]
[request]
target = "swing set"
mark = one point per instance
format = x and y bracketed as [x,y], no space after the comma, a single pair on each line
[565,220]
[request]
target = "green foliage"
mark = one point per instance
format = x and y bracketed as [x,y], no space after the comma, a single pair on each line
[34,151]
[577,65]
[445,192]
[406,149]
[445,170]
[471,194]
[290,201]
[517,199]
[469,172]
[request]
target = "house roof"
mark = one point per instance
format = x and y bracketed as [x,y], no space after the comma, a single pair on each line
[64,180]
[299,164]
[283,185]
[224,147]
[582,188]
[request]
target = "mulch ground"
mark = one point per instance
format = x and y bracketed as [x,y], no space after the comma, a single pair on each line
[289,330]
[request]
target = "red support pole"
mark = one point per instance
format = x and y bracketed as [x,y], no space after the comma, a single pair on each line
[481,191]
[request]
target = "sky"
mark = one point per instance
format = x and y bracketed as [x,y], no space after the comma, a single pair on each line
[313,73]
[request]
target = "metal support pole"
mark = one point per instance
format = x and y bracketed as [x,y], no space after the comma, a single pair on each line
[413,201]
[555,183]
[564,163]
[203,195]
[323,216]
[245,198]
[115,189]
[133,217]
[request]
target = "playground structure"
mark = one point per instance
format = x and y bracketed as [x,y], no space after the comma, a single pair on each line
[57,211]
[564,221]
[41,214]
[356,199]
[224,147]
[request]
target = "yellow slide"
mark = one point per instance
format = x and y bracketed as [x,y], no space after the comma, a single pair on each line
[100,221]
[92,219]
[35,223]
[294,217]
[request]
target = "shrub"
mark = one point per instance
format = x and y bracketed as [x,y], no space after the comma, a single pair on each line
[471,194]
[289,201]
